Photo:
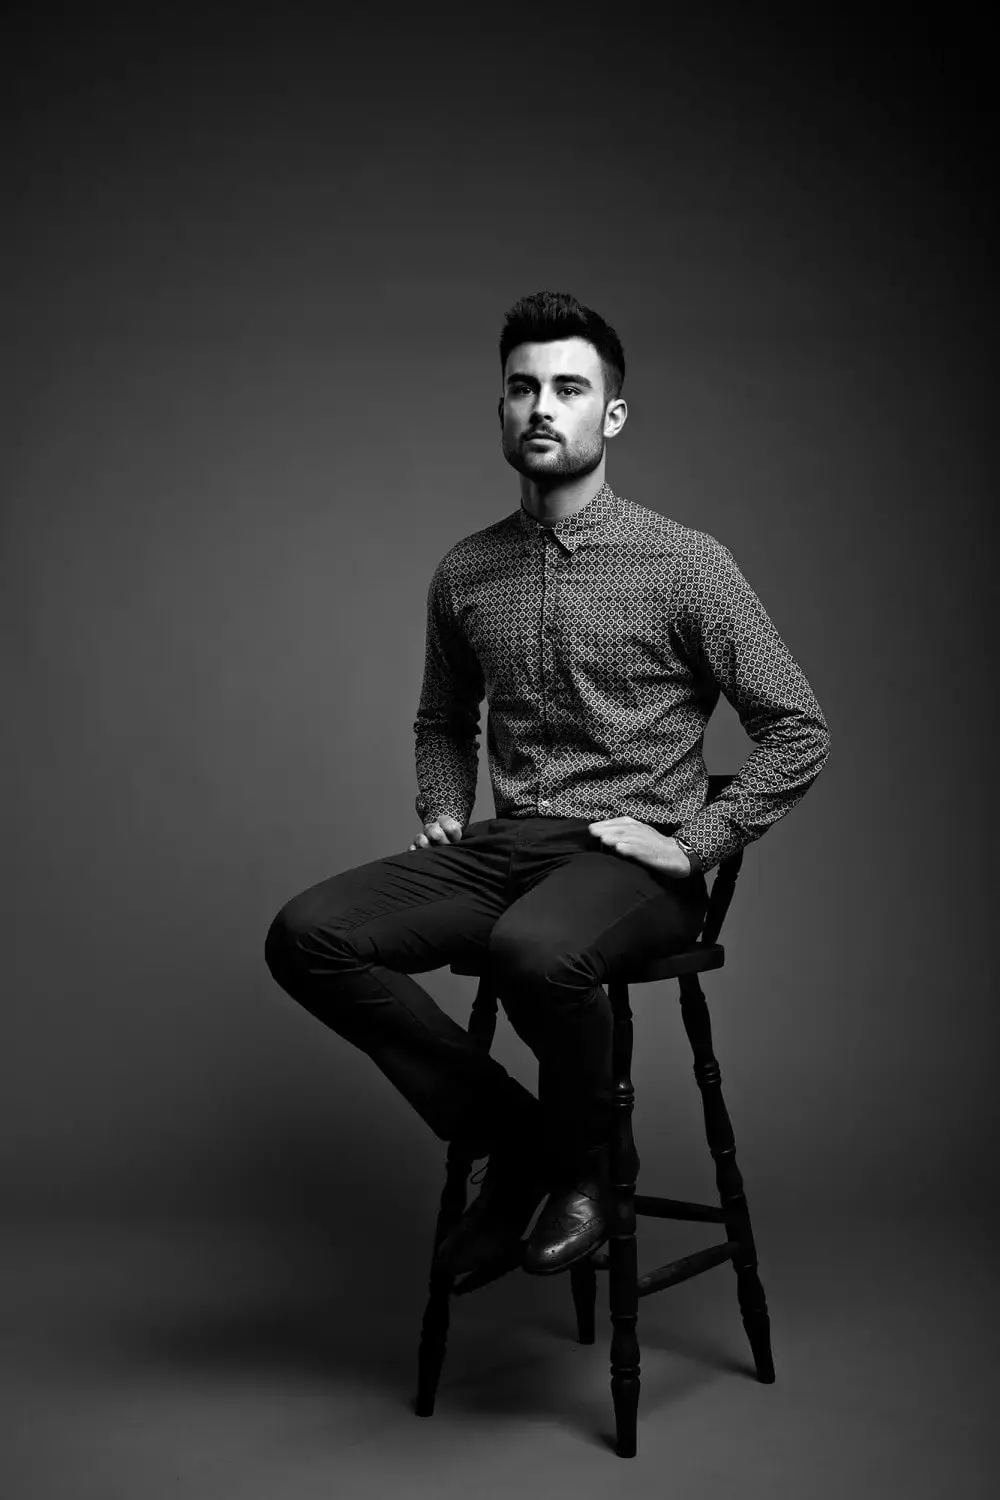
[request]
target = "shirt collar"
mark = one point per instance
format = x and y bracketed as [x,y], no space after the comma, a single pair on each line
[597,514]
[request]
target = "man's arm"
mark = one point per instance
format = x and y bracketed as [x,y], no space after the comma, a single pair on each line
[447,722]
[725,629]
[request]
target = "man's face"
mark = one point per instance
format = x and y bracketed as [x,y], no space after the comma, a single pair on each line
[555,388]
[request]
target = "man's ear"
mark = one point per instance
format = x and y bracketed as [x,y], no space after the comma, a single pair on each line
[500,410]
[614,417]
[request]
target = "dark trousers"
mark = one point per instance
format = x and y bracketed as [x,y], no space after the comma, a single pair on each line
[555,912]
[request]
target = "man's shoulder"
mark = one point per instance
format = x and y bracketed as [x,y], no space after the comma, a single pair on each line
[477,547]
[686,542]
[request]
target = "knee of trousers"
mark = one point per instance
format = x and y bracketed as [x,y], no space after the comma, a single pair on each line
[293,945]
[528,968]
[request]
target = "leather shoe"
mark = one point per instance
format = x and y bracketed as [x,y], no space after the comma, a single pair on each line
[575,1221]
[485,1242]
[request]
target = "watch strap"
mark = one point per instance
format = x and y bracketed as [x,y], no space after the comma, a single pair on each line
[692,854]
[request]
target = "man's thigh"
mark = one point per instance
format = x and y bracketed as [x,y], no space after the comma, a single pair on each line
[597,912]
[413,911]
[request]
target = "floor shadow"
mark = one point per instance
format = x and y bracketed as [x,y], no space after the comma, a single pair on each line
[359,1318]
[330,1283]
[568,1384]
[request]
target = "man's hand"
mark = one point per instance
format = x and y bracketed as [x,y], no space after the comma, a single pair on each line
[444,830]
[640,842]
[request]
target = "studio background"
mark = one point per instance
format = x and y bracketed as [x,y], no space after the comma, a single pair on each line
[253,295]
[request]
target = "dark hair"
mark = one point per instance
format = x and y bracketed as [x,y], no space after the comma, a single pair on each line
[545,316]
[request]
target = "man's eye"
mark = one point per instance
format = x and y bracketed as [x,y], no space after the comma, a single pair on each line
[573,390]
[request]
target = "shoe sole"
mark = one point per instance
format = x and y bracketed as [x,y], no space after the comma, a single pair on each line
[492,1270]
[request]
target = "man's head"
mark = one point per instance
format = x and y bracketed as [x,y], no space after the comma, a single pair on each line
[562,368]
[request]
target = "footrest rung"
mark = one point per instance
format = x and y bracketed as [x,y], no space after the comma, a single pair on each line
[676,1208]
[687,1266]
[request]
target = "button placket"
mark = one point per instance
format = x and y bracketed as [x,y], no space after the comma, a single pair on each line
[549,596]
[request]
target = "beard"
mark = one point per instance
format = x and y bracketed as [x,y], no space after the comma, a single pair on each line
[559,461]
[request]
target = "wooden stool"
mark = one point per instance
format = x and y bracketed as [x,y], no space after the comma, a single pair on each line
[626,1286]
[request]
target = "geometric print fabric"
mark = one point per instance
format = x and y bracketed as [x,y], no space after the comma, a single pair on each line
[601,645]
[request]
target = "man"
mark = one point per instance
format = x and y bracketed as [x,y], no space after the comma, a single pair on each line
[601,634]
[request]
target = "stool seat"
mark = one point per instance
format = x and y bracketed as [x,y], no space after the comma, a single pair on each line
[693,960]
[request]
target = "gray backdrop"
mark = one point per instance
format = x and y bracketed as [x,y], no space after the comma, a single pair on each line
[254,277]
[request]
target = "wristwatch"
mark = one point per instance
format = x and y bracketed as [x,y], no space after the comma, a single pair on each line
[692,854]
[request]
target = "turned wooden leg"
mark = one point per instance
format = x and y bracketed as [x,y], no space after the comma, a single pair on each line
[437,1313]
[583,1280]
[623,1271]
[732,1198]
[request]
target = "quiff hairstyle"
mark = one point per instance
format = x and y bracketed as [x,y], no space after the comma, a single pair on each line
[546,316]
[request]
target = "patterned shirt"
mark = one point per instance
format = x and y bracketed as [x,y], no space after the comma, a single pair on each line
[601,644]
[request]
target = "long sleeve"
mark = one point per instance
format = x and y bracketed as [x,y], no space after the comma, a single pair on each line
[447,722]
[727,635]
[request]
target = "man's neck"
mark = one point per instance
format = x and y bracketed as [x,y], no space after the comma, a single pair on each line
[549,503]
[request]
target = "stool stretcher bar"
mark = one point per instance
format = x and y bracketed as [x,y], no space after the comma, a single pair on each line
[676,1208]
[675,1270]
